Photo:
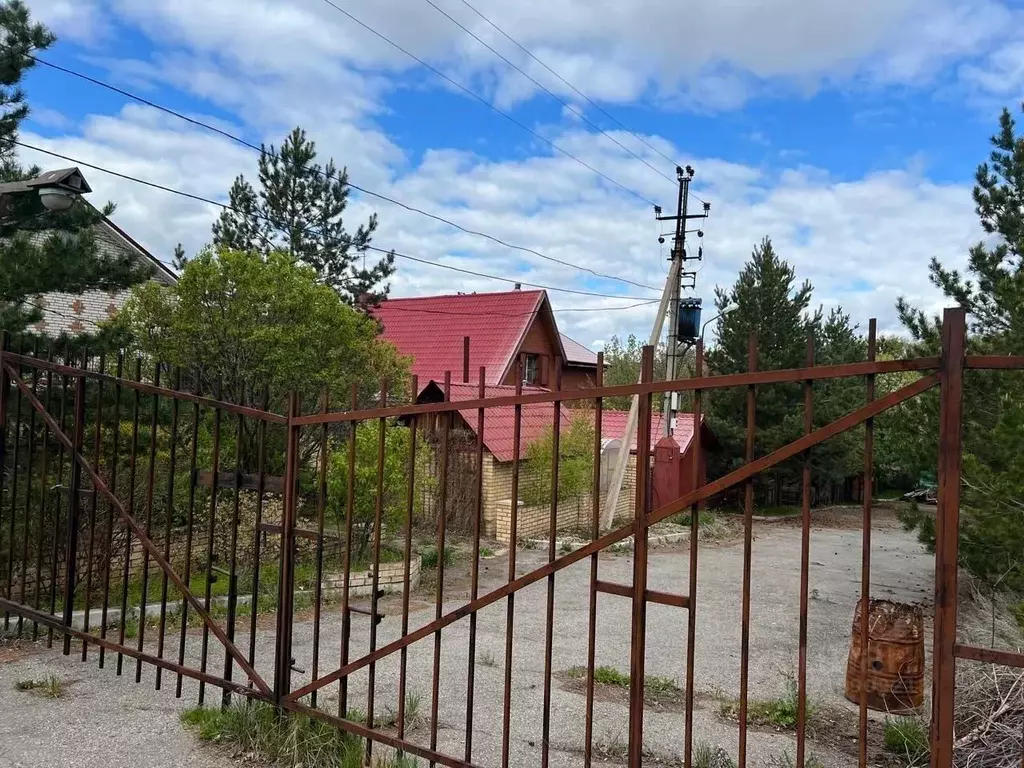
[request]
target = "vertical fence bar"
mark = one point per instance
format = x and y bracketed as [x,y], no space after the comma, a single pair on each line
[805,565]
[132,469]
[111,514]
[55,552]
[595,532]
[403,656]
[286,591]
[28,493]
[442,511]
[211,532]
[638,638]
[346,614]
[186,571]
[321,505]
[172,457]
[698,478]
[5,390]
[947,533]
[510,612]
[748,513]
[865,568]
[16,437]
[74,510]
[93,501]
[229,660]
[378,512]
[257,536]
[549,618]
[43,491]
[474,586]
[154,426]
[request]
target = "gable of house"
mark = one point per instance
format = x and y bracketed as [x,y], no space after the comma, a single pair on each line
[503,328]
[80,313]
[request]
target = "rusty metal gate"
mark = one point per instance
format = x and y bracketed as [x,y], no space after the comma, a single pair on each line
[304,442]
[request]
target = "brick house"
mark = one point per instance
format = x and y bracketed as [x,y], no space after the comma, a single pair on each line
[78,313]
[503,328]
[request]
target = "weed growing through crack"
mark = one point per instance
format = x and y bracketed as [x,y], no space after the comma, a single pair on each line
[486,659]
[711,756]
[780,712]
[908,738]
[49,687]
[255,728]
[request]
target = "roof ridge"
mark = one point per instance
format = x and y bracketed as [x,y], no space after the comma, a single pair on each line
[462,295]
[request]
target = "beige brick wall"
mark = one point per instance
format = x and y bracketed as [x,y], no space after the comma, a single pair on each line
[79,313]
[534,521]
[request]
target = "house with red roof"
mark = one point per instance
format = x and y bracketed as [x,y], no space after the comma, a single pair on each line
[503,329]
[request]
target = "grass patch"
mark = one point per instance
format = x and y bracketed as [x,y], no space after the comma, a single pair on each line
[254,727]
[429,557]
[779,713]
[908,738]
[486,659]
[486,552]
[710,756]
[606,675]
[49,687]
[1017,611]
[786,760]
[713,525]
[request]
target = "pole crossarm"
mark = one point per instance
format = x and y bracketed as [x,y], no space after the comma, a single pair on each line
[739,475]
[140,533]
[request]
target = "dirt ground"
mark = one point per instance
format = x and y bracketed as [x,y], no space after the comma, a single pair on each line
[107,720]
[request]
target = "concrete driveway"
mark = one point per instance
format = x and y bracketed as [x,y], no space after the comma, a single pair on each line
[66,732]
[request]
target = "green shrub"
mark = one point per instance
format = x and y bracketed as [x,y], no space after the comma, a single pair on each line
[428,558]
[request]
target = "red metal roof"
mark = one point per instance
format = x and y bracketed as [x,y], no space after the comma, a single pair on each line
[431,330]
[499,423]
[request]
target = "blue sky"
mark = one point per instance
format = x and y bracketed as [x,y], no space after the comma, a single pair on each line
[849,133]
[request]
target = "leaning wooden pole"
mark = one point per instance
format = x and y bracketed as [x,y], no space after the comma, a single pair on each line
[623,457]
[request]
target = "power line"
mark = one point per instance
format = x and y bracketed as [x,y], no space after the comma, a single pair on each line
[485,102]
[547,90]
[226,207]
[393,308]
[371,193]
[582,95]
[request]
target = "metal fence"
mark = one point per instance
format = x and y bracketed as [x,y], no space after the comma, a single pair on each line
[133,507]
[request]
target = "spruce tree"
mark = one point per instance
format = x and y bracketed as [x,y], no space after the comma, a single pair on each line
[40,250]
[298,210]
[772,305]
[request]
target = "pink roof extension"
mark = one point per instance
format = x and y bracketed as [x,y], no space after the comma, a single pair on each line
[431,330]
[613,427]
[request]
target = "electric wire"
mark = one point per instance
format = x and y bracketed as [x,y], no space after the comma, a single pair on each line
[393,201]
[547,90]
[488,104]
[408,257]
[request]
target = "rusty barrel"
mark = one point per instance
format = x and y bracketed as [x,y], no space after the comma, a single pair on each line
[895,651]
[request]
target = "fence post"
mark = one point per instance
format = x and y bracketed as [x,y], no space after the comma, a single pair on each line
[638,644]
[286,578]
[947,534]
[5,387]
[74,507]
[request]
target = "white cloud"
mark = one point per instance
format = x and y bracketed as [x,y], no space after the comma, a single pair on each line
[703,56]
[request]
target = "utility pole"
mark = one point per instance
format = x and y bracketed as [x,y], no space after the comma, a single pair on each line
[669,306]
[680,257]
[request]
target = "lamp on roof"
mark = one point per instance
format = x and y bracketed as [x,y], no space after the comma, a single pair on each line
[57,190]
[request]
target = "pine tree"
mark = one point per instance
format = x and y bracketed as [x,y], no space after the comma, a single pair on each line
[298,210]
[771,305]
[42,251]
[992,522]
